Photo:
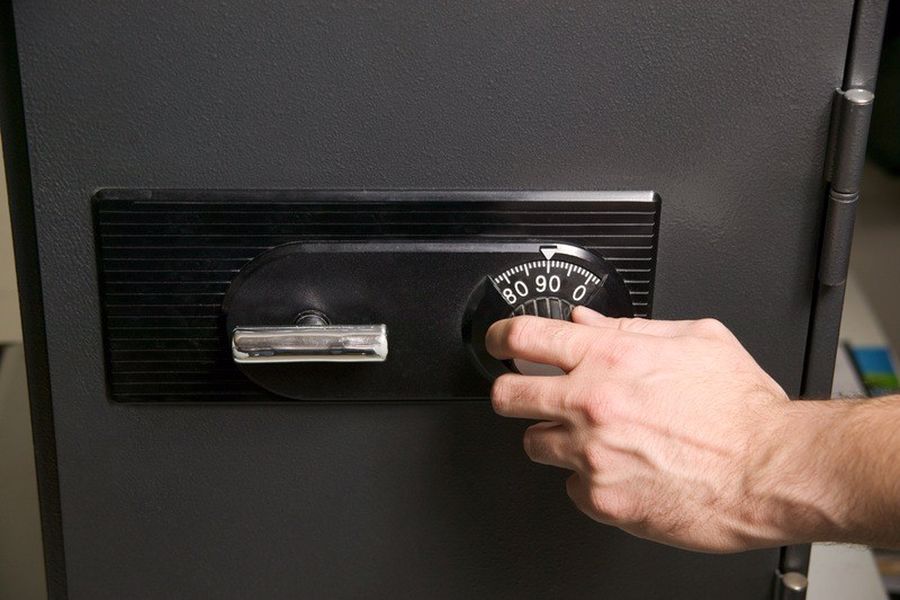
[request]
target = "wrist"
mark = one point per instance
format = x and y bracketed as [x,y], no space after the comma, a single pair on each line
[800,476]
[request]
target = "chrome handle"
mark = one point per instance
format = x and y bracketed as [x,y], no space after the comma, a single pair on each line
[318,343]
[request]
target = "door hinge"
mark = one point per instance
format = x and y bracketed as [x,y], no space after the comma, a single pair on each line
[850,116]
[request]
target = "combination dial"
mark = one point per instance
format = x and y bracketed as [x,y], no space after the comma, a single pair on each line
[551,285]
[547,288]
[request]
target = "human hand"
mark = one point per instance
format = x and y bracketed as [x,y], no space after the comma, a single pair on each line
[673,431]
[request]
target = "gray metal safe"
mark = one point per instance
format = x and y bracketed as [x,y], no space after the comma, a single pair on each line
[179,170]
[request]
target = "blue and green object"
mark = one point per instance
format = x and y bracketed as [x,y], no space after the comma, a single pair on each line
[876,369]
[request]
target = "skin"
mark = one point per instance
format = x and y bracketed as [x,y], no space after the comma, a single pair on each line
[675,434]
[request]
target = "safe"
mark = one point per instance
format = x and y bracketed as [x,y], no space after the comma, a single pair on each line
[259,245]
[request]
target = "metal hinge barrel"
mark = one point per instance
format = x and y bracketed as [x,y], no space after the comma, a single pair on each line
[854,112]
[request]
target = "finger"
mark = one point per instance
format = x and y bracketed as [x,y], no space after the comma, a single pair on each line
[547,341]
[586,316]
[550,444]
[529,397]
[579,492]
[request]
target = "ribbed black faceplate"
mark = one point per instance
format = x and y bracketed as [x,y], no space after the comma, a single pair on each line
[166,259]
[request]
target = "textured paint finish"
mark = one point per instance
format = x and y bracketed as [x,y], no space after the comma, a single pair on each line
[722,109]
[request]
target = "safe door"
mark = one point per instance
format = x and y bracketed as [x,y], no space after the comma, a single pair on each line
[259,246]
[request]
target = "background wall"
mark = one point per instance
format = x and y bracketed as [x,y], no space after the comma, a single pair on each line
[875,260]
[21,563]
[10,330]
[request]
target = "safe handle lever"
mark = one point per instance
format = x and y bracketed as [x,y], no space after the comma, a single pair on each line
[309,343]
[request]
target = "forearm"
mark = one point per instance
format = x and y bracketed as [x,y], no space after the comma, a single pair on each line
[840,471]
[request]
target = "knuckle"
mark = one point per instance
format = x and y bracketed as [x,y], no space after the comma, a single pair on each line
[594,412]
[711,328]
[531,444]
[600,503]
[594,459]
[600,405]
[611,505]
[622,352]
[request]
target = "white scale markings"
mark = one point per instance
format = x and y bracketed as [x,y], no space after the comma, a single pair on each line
[548,265]
[518,289]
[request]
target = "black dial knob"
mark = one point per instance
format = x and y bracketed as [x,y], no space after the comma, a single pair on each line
[551,286]
[550,307]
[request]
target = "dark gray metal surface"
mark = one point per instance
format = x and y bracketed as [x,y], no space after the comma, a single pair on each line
[722,109]
[864,52]
[31,302]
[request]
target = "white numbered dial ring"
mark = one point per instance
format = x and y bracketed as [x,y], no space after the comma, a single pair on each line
[546,288]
